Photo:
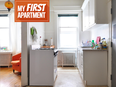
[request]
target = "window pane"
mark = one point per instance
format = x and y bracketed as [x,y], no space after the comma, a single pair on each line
[4,21]
[67,40]
[4,37]
[68,21]
[68,37]
[68,30]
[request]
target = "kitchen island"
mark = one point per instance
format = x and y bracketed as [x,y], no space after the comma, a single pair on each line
[92,65]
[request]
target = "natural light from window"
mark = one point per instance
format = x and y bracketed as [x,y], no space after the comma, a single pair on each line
[4,31]
[68,31]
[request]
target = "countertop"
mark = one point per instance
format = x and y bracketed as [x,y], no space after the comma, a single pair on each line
[92,49]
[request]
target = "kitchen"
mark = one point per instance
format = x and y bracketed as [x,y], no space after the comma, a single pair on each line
[49,30]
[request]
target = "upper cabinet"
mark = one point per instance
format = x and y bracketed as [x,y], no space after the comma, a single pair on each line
[94,13]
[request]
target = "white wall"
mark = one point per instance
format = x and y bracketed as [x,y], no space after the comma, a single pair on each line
[59,6]
[49,29]
[65,3]
[2,6]
[40,32]
[86,35]
[105,31]
[102,31]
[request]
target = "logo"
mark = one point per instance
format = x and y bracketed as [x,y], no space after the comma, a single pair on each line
[31,10]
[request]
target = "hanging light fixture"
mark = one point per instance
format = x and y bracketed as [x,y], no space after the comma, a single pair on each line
[8,5]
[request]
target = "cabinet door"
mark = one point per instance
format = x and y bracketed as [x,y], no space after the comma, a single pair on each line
[79,60]
[92,12]
[86,17]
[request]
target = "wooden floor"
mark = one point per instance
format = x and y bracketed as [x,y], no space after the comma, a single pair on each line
[8,78]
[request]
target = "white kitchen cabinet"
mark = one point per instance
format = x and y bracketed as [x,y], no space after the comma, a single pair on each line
[91,12]
[42,67]
[80,62]
[77,58]
[94,13]
[92,66]
[86,18]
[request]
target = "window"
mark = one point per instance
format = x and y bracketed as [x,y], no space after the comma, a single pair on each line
[68,24]
[4,30]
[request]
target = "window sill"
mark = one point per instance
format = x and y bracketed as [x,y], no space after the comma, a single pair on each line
[5,52]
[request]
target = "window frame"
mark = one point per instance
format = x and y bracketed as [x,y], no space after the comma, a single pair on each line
[58,34]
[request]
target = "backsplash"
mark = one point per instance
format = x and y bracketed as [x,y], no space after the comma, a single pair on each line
[86,35]
[102,31]
[40,32]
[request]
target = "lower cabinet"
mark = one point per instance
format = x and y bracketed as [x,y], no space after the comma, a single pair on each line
[92,65]
[55,67]
[80,61]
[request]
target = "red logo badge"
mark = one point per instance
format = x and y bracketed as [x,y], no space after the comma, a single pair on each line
[31,10]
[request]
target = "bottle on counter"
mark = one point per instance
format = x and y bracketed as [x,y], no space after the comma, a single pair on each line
[51,42]
[92,44]
[100,45]
[104,44]
[40,41]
